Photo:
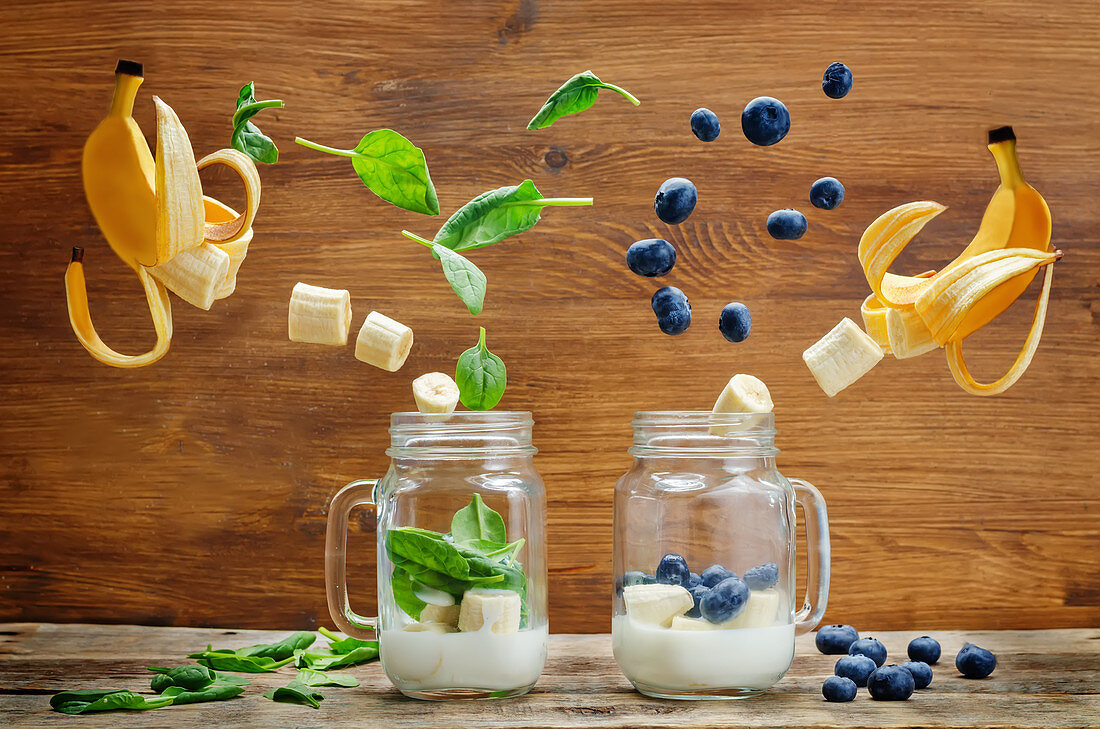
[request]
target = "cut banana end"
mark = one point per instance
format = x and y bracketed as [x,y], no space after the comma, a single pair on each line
[196,276]
[656,604]
[909,337]
[319,315]
[435,392]
[180,214]
[383,342]
[497,610]
[742,394]
[842,356]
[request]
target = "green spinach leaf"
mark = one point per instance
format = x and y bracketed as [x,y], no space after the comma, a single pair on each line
[495,550]
[190,677]
[317,678]
[430,577]
[404,595]
[229,660]
[465,278]
[247,137]
[82,701]
[576,94]
[433,554]
[281,650]
[344,645]
[478,521]
[297,692]
[323,659]
[214,692]
[481,376]
[392,167]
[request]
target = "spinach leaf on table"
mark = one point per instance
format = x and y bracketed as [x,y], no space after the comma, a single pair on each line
[190,677]
[296,692]
[247,137]
[323,659]
[478,521]
[283,649]
[481,376]
[576,94]
[229,660]
[213,692]
[339,645]
[82,701]
[317,678]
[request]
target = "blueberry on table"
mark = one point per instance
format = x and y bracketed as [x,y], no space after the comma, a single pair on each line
[975,662]
[762,577]
[651,257]
[735,322]
[857,668]
[922,673]
[765,121]
[869,647]
[836,82]
[890,683]
[924,649]
[673,570]
[837,688]
[673,310]
[675,200]
[832,640]
[697,593]
[786,224]
[704,125]
[724,601]
[716,573]
[826,193]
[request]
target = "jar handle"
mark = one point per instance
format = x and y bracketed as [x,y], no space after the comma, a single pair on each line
[356,493]
[817,556]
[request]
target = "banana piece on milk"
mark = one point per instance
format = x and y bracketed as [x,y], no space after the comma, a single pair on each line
[383,342]
[438,614]
[656,604]
[842,356]
[499,609]
[759,612]
[319,315]
[430,627]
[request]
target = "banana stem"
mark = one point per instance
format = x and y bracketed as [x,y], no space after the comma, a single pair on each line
[323,148]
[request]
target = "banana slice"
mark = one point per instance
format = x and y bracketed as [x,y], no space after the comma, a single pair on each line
[656,604]
[426,626]
[319,315]
[438,614]
[498,609]
[196,276]
[683,622]
[744,394]
[435,392]
[383,342]
[842,356]
[760,611]
[908,334]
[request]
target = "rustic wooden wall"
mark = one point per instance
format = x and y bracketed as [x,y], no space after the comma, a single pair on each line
[193,492]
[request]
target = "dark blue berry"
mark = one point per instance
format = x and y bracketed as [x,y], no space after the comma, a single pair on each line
[922,674]
[694,580]
[890,683]
[704,125]
[857,668]
[697,593]
[786,224]
[673,570]
[673,310]
[826,193]
[675,200]
[762,577]
[765,121]
[735,322]
[724,601]
[836,82]
[975,662]
[924,649]
[834,640]
[837,688]
[716,573]
[651,257]
[869,647]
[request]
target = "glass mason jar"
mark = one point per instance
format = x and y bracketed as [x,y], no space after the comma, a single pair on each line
[704,557]
[461,556]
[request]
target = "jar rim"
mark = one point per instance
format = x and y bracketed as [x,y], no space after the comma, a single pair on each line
[702,433]
[463,434]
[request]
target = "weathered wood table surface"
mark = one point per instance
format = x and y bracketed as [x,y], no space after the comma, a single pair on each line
[1044,678]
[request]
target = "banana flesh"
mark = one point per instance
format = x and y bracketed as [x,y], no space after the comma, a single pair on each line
[907,334]
[499,610]
[180,212]
[742,394]
[443,615]
[656,604]
[318,315]
[430,627]
[435,392]
[383,342]
[196,276]
[874,314]
[842,356]
[761,611]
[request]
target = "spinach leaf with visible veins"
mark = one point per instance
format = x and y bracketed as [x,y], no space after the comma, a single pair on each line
[433,554]
[229,660]
[283,649]
[81,701]
[481,376]
[317,678]
[247,137]
[576,94]
[296,692]
[322,659]
[478,521]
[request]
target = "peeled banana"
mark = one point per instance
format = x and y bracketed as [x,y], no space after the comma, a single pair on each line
[656,604]
[435,392]
[906,333]
[383,342]
[196,275]
[499,609]
[842,356]
[318,315]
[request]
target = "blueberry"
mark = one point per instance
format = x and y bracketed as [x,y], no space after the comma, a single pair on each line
[673,570]
[735,322]
[833,640]
[869,647]
[924,649]
[765,121]
[704,125]
[716,573]
[786,224]
[651,257]
[890,683]
[826,193]
[975,662]
[694,580]
[675,200]
[697,594]
[836,82]
[672,309]
[763,576]
[857,668]
[922,674]
[837,688]
[725,600]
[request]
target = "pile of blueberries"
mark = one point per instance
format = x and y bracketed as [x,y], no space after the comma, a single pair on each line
[863,659]
[719,593]
[765,121]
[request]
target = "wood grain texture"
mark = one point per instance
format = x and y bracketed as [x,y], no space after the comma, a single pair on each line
[1044,678]
[193,492]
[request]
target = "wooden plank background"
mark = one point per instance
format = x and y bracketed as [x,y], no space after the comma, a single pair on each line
[193,492]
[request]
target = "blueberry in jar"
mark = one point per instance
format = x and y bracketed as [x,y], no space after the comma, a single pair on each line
[857,668]
[673,310]
[704,125]
[786,224]
[675,200]
[765,121]
[870,647]
[651,257]
[697,593]
[837,688]
[924,649]
[762,577]
[716,573]
[735,322]
[826,193]
[724,601]
[890,683]
[833,640]
[673,570]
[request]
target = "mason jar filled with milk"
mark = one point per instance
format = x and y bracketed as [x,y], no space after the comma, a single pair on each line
[704,557]
[461,556]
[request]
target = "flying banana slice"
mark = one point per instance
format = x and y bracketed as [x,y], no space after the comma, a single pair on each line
[907,334]
[180,213]
[842,356]
[383,342]
[318,315]
[499,610]
[742,394]
[435,392]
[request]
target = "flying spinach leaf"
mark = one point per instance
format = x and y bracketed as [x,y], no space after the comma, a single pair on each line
[296,692]
[465,278]
[281,650]
[576,94]
[247,137]
[317,678]
[478,521]
[435,555]
[392,167]
[404,595]
[229,660]
[481,376]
